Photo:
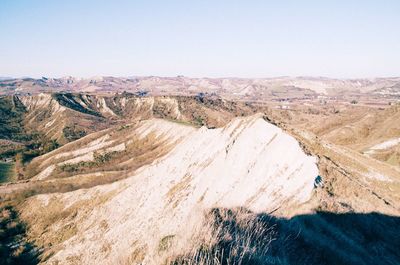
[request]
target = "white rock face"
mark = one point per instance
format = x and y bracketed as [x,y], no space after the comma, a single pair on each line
[249,163]
[45,173]
[386,144]
[104,108]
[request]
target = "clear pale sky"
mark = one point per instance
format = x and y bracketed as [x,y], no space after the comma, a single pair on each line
[220,38]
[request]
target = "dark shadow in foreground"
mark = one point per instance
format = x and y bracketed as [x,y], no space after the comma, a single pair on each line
[245,238]
[14,248]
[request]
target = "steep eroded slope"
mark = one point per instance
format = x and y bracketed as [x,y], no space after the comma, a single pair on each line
[248,163]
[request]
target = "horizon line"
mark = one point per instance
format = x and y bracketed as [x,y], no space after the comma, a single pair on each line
[7,77]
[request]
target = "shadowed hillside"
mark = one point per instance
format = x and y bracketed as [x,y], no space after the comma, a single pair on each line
[239,236]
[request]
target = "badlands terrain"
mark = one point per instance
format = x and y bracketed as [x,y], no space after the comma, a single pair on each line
[156,170]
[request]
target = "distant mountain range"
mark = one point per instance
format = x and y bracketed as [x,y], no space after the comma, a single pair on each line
[251,89]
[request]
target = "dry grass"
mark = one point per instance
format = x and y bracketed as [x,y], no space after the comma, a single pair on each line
[52,224]
[240,237]
[229,237]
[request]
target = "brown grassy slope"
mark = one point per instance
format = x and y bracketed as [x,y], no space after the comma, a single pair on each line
[106,167]
[58,122]
[352,126]
[351,181]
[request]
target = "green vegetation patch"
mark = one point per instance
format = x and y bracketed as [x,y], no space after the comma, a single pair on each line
[99,160]
[6,171]
[72,133]
[182,122]
[12,113]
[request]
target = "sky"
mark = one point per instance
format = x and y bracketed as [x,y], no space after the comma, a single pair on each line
[200,38]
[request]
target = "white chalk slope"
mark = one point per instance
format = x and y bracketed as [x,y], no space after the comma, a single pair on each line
[249,163]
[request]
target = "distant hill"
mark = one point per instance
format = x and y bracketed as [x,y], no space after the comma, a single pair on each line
[279,88]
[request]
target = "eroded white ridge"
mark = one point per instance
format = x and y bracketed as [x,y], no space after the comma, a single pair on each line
[249,163]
